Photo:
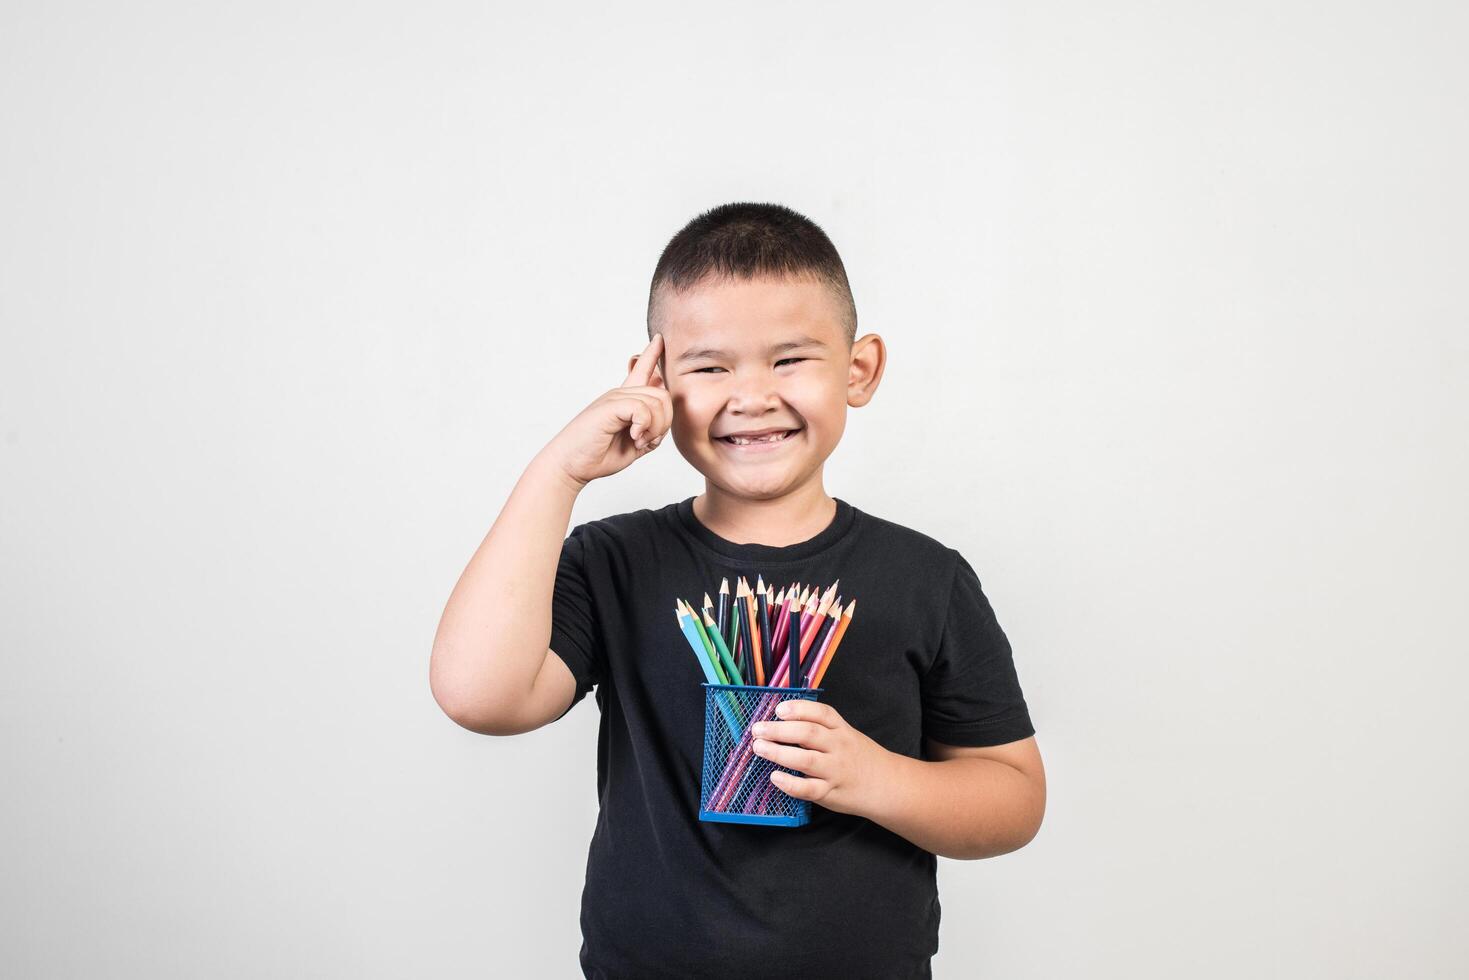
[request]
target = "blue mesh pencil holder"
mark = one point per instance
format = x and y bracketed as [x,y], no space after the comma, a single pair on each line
[736,786]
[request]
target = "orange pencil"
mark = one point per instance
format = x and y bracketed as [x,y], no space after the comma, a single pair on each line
[754,622]
[759,660]
[831,650]
[824,632]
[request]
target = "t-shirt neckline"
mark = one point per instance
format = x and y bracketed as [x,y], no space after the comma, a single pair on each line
[840,524]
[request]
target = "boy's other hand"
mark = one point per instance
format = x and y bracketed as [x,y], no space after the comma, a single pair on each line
[620,426]
[842,766]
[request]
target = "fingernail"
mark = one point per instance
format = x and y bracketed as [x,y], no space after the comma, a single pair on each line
[760,728]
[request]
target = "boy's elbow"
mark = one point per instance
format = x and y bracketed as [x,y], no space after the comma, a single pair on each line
[1032,815]
[1022,829]
[496,710]
[468,717]
[994,847]
[482,719]
[1030,830]
[471,710]
[482,725]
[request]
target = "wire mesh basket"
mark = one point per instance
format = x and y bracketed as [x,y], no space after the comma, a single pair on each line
[736,786]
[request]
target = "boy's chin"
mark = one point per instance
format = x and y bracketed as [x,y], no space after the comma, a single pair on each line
[755,482]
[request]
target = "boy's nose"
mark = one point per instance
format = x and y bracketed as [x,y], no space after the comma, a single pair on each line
[753,397]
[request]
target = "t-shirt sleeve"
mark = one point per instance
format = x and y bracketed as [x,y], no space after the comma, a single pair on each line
[971,694]
[574,636]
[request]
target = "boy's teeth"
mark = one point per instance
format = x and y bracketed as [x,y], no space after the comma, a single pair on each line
[773,437]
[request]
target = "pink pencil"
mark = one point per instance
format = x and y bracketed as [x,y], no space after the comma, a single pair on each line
[820,655]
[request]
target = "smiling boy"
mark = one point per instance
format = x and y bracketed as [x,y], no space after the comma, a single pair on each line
[921,743]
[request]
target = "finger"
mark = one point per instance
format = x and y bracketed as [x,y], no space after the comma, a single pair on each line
[662,401]
[790,756]
[655,424]
[802,709]
[656,379]
[802,788]
[642,371]
[653,391]
[633,413]
[624,399]
[806,733]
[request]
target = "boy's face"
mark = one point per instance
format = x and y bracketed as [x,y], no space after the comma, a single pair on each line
[754,357]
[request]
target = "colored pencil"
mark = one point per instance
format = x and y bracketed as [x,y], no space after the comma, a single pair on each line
[712,629]
[756,639]
[831,651]
[742,645]
[723,619]
[764,663]
[802,623]
[732,716]
[686,624]
[720,657]
[824,633]
[793,654]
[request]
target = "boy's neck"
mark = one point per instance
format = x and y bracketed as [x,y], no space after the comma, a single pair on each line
[789,519]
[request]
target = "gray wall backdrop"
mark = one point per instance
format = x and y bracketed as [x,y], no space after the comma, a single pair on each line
[291,292]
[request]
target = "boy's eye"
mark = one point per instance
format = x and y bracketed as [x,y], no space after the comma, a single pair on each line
[778,363]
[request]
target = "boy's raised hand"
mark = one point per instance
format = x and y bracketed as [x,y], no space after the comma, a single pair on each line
[620,426]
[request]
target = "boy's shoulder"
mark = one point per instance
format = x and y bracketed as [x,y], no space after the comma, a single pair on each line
[635,524]
[910,539]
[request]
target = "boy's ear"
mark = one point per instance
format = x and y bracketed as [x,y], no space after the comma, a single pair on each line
[869,356]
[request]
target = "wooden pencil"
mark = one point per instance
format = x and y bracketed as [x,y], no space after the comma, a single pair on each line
[836,639]
[722,618]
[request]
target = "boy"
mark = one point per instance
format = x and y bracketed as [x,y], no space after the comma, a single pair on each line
[920,743]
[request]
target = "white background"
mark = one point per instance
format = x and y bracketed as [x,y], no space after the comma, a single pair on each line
[290,294]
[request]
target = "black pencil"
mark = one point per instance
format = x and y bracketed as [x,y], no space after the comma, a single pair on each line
[793,667]
[722,618]
[766,654]
[827,624]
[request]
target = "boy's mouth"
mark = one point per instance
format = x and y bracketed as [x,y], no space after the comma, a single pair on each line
[761,439]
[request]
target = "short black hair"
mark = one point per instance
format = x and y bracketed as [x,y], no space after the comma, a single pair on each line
[746,240]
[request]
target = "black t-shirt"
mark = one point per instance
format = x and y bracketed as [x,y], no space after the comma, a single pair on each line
[669,895]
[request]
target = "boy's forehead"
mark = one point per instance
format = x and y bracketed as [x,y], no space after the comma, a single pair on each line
[734,313]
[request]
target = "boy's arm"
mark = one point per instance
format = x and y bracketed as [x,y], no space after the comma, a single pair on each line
[968,802]
[962,802]
[491,669]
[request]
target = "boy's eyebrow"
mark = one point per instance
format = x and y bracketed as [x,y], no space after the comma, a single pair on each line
[697,353]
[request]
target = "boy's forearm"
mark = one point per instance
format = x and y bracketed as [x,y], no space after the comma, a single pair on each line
[496,627]
[957,808]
